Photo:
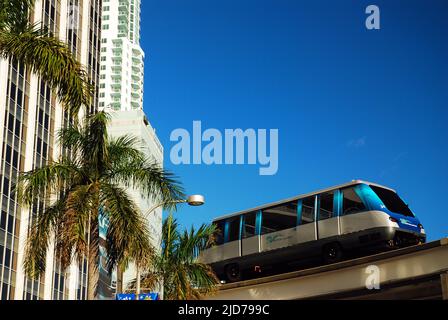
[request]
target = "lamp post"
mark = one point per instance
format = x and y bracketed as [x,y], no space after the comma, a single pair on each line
[195,200]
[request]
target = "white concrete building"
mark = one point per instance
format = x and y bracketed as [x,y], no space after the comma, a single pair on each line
[121,93]
[30,116]
[121,76]
[135,123]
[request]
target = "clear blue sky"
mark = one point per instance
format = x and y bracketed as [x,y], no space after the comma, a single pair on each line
[349,103]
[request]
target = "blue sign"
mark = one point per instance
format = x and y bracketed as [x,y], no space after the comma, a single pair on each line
[148,296]
[126,296]
[142,296]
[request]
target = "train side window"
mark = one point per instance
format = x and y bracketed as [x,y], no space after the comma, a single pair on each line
[279,217]
[351,203]
[219,235]
[307,210]
[326,206]
[249,224]
[234,229]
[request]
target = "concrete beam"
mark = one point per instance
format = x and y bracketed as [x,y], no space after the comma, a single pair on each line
[392,267]
[444,280]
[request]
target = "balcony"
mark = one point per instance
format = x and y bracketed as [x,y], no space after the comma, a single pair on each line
[123,27]
[117,51]
[115,106]
[137,60]
[136,52]
[116,96]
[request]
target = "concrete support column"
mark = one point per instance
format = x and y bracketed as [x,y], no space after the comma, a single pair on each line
[444,280]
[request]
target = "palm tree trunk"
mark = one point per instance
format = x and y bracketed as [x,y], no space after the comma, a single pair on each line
[93,275]
[119,280]
[93,257]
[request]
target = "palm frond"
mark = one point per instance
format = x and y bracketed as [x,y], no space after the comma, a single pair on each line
[203,280]
[14,14]
[72,227]
[124,151]
[184,277]
[53,61]
[195,241]
[42,227]
[127,234]
[156,183]
[94,149]
[72,138]
[50,178]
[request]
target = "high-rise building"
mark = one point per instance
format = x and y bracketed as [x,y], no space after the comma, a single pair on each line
[121,92]
[135,122]
[30,116]
[121,80]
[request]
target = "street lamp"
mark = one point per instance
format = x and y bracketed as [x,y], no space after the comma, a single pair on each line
[194,200]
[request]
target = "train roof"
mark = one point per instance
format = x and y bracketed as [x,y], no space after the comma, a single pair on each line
[347,184]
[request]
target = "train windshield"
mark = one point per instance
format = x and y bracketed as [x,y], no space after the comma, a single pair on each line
[219,235]
[392,201]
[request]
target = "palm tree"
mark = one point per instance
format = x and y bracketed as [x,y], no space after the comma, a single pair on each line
[177,266]
[93,176]
[44,54]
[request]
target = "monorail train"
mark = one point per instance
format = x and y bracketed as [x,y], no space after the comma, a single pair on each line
[328,223]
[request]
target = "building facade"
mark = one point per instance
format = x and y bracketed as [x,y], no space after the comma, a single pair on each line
[121,80]
[135,122]
[30,116]
[121,93]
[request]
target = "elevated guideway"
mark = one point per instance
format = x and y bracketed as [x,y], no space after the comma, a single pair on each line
[417,272]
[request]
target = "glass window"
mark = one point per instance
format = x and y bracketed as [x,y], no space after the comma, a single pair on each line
[56,279]
[351,202]
[11,123]
[15,158]
[219,235]
[307,210]
[279,218]
[8,153]
[3,221]
[392,201]
[6,186]
[10,223]
[4,291]
[7,257]
[326,206]
[249,225]
[234,229]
